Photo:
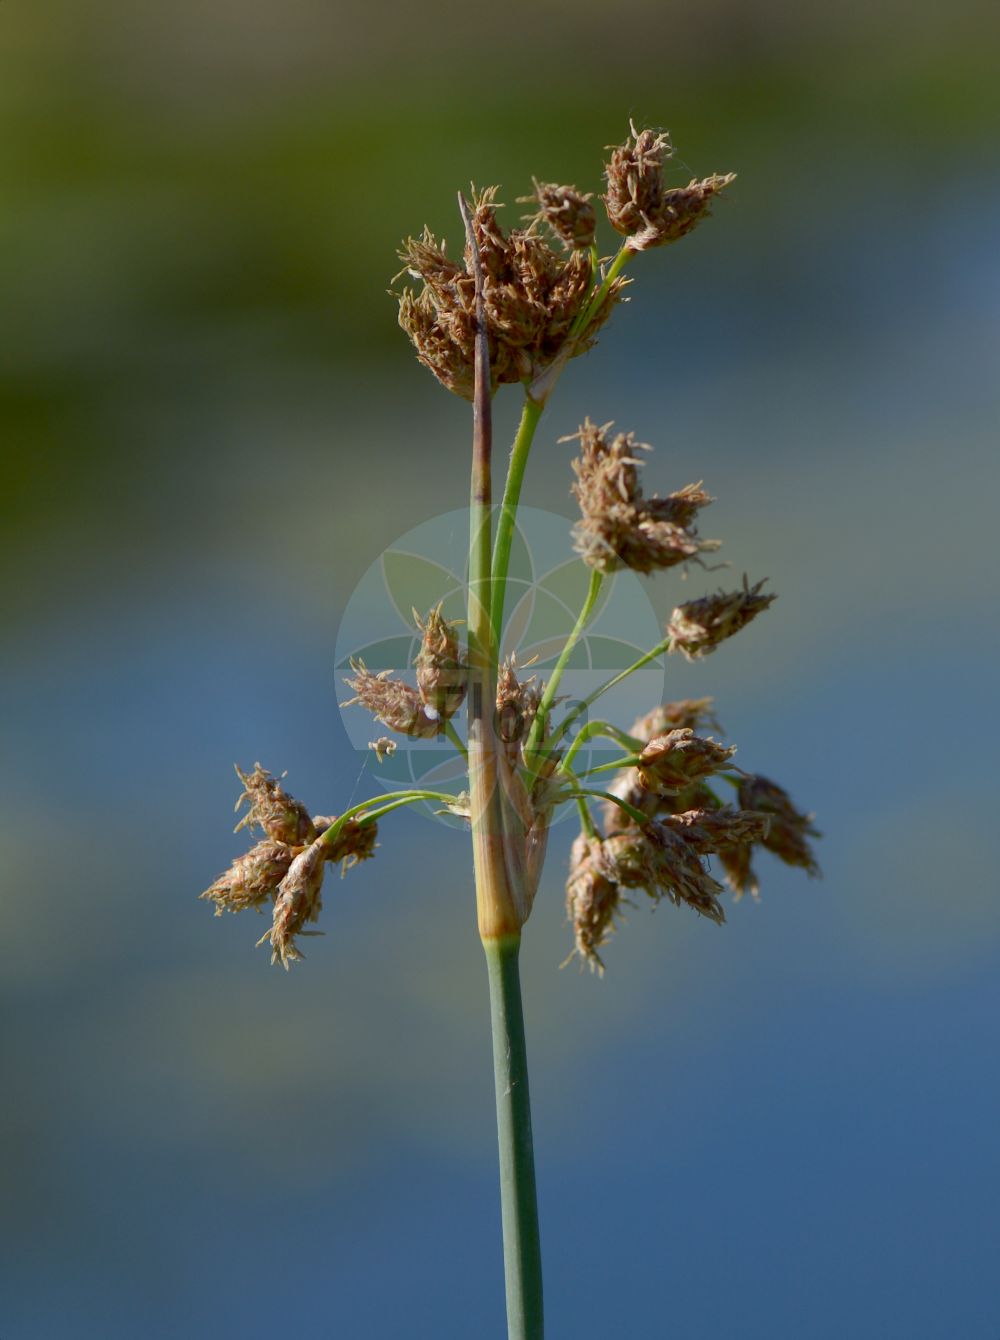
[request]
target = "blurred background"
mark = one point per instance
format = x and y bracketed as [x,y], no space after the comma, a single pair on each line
[212,427]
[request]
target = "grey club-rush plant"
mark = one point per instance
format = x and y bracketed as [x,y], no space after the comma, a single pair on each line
[515,309]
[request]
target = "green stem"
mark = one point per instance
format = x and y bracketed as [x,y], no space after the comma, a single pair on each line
[548,697]
[622,257]
[593,728]
[456,739]
[641,819]
[591,698]
[530,415]
[518,1199]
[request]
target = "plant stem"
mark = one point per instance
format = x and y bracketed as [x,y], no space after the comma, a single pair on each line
[591,729]
[549,696]
[519,452]
[580,708]
[518,1199]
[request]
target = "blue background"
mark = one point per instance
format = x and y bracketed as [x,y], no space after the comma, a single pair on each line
[211,428]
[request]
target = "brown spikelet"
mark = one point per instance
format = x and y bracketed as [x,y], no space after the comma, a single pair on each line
[565,211]
[440,666]
[282,818]
[252,878]
[298,902]
[673,762]
[698,626]
[788,828]
[395,704]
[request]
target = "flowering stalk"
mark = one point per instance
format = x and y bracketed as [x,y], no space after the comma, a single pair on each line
[515,309]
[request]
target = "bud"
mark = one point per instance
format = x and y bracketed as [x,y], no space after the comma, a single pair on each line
[298,902]
[620,526]
[638,202]
[672,762]
[566,212]
[440,665]
[251,879]
[789,827]
[392,702]
[592,899]
[698,626]
[280,816]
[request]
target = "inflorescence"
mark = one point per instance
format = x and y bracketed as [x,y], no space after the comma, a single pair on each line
[546,294]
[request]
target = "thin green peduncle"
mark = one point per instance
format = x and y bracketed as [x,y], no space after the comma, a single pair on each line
[535,735]
[530,415]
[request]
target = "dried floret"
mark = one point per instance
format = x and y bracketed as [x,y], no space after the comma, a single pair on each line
[252,878]
[397,705]
[282,818]
[698,626]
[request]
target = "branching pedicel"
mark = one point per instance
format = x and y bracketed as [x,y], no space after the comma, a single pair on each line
[515,309]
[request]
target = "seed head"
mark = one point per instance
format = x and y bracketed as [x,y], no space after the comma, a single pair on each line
[620,526]
[698,626]
[789,827]
[639,203]
[532,297]
[568,214]
[298,902]
[271,807]
[592,900]
[392,702]
[673,762]
[440,665]
[251,879]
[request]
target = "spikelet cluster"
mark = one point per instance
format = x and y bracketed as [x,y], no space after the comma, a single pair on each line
[639,203]
[286,868]
[619,526]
